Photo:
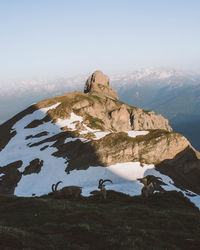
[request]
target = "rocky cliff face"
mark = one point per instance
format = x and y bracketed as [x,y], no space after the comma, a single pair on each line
[116,115]
[120,147]
[99,84]
[79,130]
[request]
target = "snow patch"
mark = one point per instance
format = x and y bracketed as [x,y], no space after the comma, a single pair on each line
[130,170]
[134,133]
[195,200]
[37,115]
[45,110]
[123,175]
[18,149]
[70,123]
[84,140]
[99,134]
[87,130]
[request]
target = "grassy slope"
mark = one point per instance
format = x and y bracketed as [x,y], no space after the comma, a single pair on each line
[167,221]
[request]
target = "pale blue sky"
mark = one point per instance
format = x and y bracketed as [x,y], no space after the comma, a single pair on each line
[50,38]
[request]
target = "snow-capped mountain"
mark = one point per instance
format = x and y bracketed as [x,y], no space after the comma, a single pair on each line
[154,76]
[142,77]
[80,138]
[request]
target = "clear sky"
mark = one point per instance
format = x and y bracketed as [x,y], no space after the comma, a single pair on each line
[50,38]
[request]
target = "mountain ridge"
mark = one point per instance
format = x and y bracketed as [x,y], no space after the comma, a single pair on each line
[79,130]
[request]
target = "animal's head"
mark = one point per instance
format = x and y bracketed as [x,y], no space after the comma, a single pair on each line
[101,182]
[157,181]
[143,180]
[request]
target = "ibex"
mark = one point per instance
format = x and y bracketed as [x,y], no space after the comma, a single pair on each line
[103,189]
[148,189]
[66,192]
[157,182]
[151,183]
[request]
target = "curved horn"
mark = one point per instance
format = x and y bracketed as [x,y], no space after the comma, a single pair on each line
[53,188]
[100,183]
[106,180]
[154,179]
[56,186]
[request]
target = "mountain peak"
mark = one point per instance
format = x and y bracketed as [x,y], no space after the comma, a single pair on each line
[80,138]
[99,84]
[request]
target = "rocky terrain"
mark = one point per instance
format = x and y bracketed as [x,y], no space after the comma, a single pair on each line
[81,137]
[172,93]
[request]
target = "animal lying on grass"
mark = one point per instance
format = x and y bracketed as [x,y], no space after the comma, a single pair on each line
[66,192]
[151,184]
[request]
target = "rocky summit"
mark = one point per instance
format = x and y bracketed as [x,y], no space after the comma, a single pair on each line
[99,84]
[81,137]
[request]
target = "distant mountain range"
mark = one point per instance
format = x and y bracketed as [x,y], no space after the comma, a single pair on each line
[167,92]
[174,94]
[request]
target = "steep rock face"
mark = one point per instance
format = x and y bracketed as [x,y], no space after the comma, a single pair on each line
[152,148]
[104,113]
[149,120]
[184,169]
[99,84]
[120,118]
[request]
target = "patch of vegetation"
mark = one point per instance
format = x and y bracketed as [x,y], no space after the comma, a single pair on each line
[147,112]
[101,86]
[119,103]
[95,122]
[130,111]
[166,221]
[99,99]
[196,152]
[120,138]
[67,101]
[114,139]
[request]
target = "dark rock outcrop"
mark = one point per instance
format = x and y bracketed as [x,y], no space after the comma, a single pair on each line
[184,169]
[11,177]
[34,167]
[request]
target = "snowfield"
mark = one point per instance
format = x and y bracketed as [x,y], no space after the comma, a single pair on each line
[70,123]
[123,175]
